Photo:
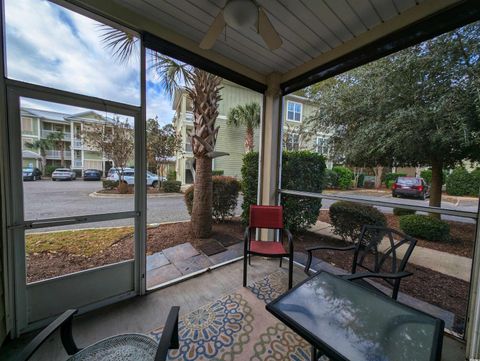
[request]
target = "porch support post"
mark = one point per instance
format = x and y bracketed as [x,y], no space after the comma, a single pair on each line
[473,317]
[270,144]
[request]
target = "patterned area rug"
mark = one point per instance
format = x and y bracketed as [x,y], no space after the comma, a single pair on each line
[238,327]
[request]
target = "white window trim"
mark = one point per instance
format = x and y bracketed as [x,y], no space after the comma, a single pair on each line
[301,111]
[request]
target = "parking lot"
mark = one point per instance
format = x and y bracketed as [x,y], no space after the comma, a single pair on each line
[46,199]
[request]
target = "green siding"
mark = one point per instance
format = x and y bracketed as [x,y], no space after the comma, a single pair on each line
[233,95]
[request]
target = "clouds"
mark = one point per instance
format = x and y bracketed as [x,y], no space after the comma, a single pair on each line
[52,46]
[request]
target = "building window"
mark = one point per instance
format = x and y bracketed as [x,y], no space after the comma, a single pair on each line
[293,140]
[294,111]
[27,124]
[26,142]
[322,145]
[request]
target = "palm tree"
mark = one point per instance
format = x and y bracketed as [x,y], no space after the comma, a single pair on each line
[204,91]
[57,140]
[247,115]
[42,145]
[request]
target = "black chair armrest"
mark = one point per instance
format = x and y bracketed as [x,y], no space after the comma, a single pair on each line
[316,248]
[64,322]
[393,276]
[169,339]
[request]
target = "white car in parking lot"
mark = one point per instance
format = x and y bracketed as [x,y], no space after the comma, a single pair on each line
[129,177]
[63,174]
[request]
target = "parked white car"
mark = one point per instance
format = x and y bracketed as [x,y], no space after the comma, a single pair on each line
[129,177]
[63,174]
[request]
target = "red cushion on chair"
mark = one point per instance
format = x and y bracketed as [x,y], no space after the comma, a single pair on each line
[266,217]
[267,247]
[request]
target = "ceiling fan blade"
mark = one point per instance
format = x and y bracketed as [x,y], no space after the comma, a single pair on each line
[267,31]
[213,32]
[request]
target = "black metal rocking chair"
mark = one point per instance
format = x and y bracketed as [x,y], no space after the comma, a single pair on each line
[385,265]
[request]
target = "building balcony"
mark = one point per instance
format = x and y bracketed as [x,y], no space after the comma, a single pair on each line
[77,163]
[66,136]
[56,154]
[77,144]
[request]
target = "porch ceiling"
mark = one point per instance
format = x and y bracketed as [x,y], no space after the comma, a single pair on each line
[314,32]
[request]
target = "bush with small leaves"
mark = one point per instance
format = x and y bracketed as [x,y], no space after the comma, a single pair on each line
[345,177]
[426,227]
[403,211]
[109,184]
[348,218]
[224,200]
[171,186]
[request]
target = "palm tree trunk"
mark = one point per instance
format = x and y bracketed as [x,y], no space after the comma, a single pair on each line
[62,154]
[249,143]
[202,202]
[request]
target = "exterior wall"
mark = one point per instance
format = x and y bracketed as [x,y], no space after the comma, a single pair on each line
[91,155]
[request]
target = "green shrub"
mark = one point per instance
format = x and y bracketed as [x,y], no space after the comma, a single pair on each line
[426,227]
[392,177]
[348,218]
[109,184]
[171,186]
[217,172]
[389,183]
[402,211]
[224,200]
[172,176]
[345,177]
[301,170]
[426,174]
[49,170]
[462,183]
[475,183]
[330,179]
[78,173]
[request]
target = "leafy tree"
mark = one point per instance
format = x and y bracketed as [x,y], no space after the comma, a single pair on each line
[204,90]
[420,106]
[247,115]
[297,137]
[42,145]
[162,144]
[115,140]
[57,141]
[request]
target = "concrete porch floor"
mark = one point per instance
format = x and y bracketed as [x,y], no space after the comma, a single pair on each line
[143,314]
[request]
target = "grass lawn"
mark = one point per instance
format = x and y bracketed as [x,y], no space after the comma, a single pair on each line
[85,243]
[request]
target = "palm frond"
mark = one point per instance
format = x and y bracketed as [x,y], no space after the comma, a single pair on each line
[173,74]
[122,44]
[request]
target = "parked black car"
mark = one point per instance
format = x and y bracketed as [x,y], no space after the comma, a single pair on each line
[92,174]
[411,187]
[31,174]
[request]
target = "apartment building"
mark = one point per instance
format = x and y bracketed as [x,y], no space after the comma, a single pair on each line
[230,139]
[39,124]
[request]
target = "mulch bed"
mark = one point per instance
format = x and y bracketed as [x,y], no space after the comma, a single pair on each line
[461,242]
[444,291]
[45,265]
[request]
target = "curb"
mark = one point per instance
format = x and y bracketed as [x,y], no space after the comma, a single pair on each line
[126,196]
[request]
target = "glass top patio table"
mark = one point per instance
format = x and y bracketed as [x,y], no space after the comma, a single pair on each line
[346,321]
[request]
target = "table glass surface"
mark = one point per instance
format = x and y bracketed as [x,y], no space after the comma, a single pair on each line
[357,323]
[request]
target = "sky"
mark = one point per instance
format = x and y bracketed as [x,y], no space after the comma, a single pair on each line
[55,47]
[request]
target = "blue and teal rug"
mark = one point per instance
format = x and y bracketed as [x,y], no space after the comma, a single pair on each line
[238,327]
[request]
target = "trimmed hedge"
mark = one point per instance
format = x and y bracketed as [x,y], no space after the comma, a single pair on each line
[224,200]
[345,177]
[330,179]
[392,177]
[348,219]
[462,183]
[426,227]
[217,172]
[49,170]
[171,186]
[402,211]
[426,174]
[109,184]
[172,176]
[301,170]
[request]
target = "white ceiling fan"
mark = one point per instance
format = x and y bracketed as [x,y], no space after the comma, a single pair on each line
[242,14]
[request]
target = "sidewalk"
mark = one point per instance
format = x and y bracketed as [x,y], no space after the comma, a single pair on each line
[442,262]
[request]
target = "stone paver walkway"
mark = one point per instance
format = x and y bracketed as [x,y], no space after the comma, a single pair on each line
[446,263]
[184,259]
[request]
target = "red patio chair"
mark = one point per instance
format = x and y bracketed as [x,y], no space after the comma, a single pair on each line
[267,217]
